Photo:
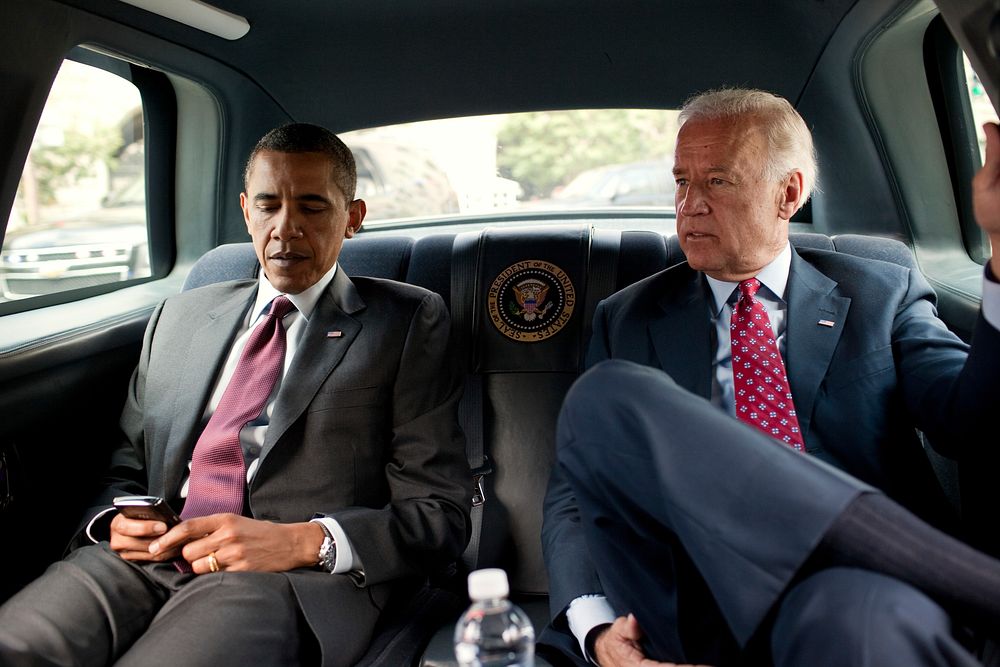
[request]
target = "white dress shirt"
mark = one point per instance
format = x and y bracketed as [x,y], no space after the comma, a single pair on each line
[588,611]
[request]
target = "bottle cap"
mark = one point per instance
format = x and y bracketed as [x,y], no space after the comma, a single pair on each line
[488,584]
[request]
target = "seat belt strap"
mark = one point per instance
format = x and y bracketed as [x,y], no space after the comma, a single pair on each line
[464,313]
[602,277]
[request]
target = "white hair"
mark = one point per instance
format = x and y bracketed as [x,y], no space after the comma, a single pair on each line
[789,142]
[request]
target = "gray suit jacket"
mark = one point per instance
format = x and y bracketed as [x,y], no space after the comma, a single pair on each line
[887,365]
[364,429]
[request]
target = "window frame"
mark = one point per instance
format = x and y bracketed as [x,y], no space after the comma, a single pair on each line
[946,78]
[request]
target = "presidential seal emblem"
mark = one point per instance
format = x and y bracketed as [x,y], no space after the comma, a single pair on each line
[531,300]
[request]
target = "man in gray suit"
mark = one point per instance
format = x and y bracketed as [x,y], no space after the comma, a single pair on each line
[723,542]
[355,471]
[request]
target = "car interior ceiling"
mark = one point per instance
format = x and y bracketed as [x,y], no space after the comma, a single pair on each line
[865,74]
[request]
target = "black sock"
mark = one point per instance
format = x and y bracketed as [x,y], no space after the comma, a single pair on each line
[875,533]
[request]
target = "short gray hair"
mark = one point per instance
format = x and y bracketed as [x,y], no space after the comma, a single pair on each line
[789,142]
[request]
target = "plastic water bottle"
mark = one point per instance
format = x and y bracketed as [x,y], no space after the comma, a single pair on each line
[493,632]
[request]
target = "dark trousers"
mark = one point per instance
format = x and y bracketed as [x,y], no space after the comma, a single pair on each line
[93,608]
[700,526]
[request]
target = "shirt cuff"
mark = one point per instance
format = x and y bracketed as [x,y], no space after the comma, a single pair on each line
[346,561]
[584,614]
[991,298]
[93,522]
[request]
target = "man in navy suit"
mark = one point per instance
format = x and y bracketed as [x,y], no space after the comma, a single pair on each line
[721,543]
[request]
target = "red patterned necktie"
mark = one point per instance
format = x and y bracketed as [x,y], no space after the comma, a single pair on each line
[218,471]
[763,397]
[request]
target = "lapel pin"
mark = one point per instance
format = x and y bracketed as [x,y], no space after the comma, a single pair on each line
[826,323]
[334,334]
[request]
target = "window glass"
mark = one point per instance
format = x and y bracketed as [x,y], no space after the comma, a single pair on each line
[544,162]
[982,110]
[79,217]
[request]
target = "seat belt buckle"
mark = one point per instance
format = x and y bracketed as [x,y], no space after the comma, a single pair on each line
[479,496]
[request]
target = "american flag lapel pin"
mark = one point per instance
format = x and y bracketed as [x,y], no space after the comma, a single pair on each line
[334,334]
[826,323]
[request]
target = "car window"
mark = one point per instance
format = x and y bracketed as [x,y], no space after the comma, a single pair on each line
[79,216]
[544,162]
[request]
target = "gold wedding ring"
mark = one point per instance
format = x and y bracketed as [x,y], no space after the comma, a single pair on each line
[213,563]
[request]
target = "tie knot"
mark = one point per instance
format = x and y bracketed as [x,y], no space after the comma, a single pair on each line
[281,306]
[748,288]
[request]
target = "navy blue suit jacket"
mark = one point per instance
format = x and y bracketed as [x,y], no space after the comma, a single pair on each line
[886,367]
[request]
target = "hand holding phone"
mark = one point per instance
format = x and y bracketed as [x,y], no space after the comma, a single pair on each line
[147,508]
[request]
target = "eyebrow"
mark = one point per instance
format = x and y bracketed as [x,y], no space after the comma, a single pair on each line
[269,196]
[714,169]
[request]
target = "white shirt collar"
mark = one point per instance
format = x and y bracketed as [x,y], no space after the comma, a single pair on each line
[304,302]
[774,276]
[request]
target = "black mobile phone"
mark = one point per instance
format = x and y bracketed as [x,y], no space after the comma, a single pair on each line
[149,508]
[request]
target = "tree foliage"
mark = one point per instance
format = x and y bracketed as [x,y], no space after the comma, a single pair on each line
[78,156]
[547,149]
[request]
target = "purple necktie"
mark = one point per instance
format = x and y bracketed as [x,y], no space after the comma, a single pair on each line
[218,471]
[763,397]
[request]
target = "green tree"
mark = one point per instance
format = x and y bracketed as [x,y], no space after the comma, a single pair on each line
[545,149]
[78,156]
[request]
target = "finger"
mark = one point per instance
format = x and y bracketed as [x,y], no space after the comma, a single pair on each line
[173,540]
[614,649]
[185,532]
[137,527]
[213,534]
[121,543]
[145,556]
[630,628]
[209,564]
[197,528]
[140,549]
[991,163]
[200,549]
[219,543]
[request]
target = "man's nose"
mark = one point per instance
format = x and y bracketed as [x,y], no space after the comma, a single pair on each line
[692,202]
[286,225]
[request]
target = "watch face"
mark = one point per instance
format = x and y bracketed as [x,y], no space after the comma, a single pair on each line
[328,554]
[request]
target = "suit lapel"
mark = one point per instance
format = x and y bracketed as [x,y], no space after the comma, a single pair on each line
[318,354]
[683,336]
[810,339]
[214,331]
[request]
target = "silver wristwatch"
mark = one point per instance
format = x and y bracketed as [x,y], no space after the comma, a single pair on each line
[327,550]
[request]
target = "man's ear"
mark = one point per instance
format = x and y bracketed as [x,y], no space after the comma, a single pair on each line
[791,196]
[356,211]
[245,205]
